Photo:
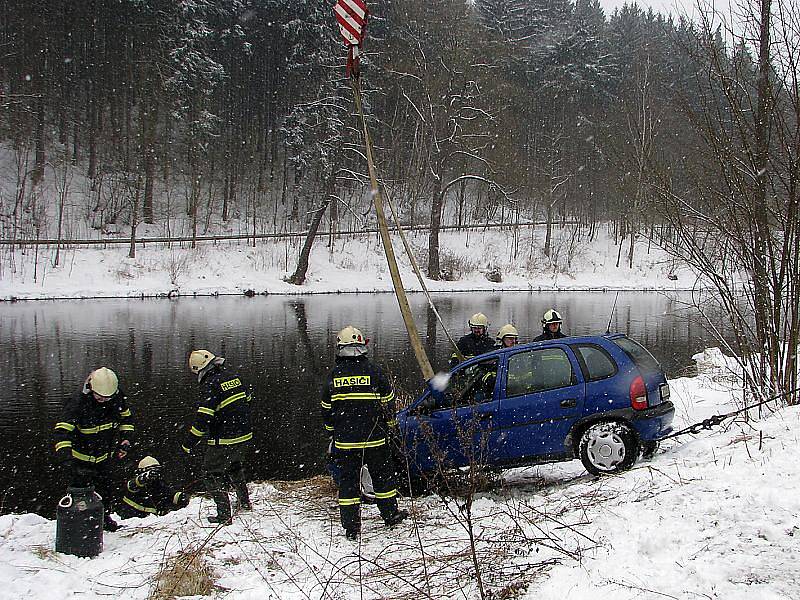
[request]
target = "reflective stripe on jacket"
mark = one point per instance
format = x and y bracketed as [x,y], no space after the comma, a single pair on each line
[358,404]
[223,414]
[154,497]
[90,430]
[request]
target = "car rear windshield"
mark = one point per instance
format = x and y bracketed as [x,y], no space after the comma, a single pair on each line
[641,357]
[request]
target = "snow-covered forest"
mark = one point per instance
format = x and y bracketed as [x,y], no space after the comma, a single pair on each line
[493,110]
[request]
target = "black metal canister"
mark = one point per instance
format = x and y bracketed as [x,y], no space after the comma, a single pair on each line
[79,522]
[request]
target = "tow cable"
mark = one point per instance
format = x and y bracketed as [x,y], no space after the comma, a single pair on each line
[714,420]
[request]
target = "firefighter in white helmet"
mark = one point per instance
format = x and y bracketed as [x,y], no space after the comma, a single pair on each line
[551,326]
[358,410]
[148,494]
[476,342]
[222,421]
[507,336]
[95,431]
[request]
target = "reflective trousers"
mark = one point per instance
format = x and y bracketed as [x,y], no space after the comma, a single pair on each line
[381,468]
[224,465]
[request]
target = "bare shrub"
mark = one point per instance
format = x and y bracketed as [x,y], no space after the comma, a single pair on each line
[537,262]
[452,266]
[177,265]
[124,273]
[494,274]
[455,266]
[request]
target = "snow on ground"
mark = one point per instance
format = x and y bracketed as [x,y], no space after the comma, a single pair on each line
[710,516]
[354,264]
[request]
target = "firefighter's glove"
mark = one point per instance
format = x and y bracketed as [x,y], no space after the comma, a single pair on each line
[149,475]
[122,449]
[187,451]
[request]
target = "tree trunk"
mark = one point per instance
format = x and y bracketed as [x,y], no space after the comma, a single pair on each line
[548,238]
[134,218]
[149,118]
[631,248]
[299,275]
[39,155]
[765,303]
[434,268]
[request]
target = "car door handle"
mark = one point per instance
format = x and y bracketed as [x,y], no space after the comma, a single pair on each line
[569,403]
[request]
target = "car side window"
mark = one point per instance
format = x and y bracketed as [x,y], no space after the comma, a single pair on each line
[598,363]
[537,371]
[471,385]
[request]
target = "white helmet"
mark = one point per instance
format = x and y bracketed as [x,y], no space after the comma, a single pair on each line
[507,330]
[478,320]
[350,336]
[199,359]
[103,381]
[551,316]
[148,462]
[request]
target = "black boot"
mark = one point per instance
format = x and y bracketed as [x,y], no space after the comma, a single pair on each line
[110,524]
[243,496]
[223,516]
[352,534]
[396,518]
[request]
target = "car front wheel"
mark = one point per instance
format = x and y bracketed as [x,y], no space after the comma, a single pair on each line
[608,447]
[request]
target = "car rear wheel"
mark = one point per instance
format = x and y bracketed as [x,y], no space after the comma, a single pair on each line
[608,447]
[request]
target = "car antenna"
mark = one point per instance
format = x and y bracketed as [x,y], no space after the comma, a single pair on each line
[611,317]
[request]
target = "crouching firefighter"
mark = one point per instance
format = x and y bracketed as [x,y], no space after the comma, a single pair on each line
[95,430]
[148,494]
[358,410]
[223,420]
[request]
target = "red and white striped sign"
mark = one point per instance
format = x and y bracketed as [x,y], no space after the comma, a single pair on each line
[352,18]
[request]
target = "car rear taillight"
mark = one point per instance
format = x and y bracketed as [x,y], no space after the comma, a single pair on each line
[638,394]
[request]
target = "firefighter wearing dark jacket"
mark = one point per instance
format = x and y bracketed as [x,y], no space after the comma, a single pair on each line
[96,428]
[551,326]
[358,410]
[476,342]
[223,421]
[148,494]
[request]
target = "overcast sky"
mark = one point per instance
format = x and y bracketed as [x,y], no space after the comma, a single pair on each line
[672,6]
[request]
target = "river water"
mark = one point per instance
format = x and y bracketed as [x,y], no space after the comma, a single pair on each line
[282,345]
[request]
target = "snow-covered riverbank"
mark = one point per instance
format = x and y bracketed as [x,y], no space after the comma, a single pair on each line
[711,516]
[351,265]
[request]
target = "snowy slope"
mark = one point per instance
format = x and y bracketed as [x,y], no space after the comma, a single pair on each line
[356,264]
[710,516]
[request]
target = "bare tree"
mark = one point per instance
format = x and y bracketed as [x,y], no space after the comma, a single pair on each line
[735,215]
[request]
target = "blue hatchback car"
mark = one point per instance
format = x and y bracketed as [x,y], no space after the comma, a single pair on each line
[603,399]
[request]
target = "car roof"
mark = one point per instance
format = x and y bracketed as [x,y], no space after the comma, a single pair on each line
[571,339]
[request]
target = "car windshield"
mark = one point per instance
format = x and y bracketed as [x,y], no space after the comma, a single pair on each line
[641,357]
[469,386]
